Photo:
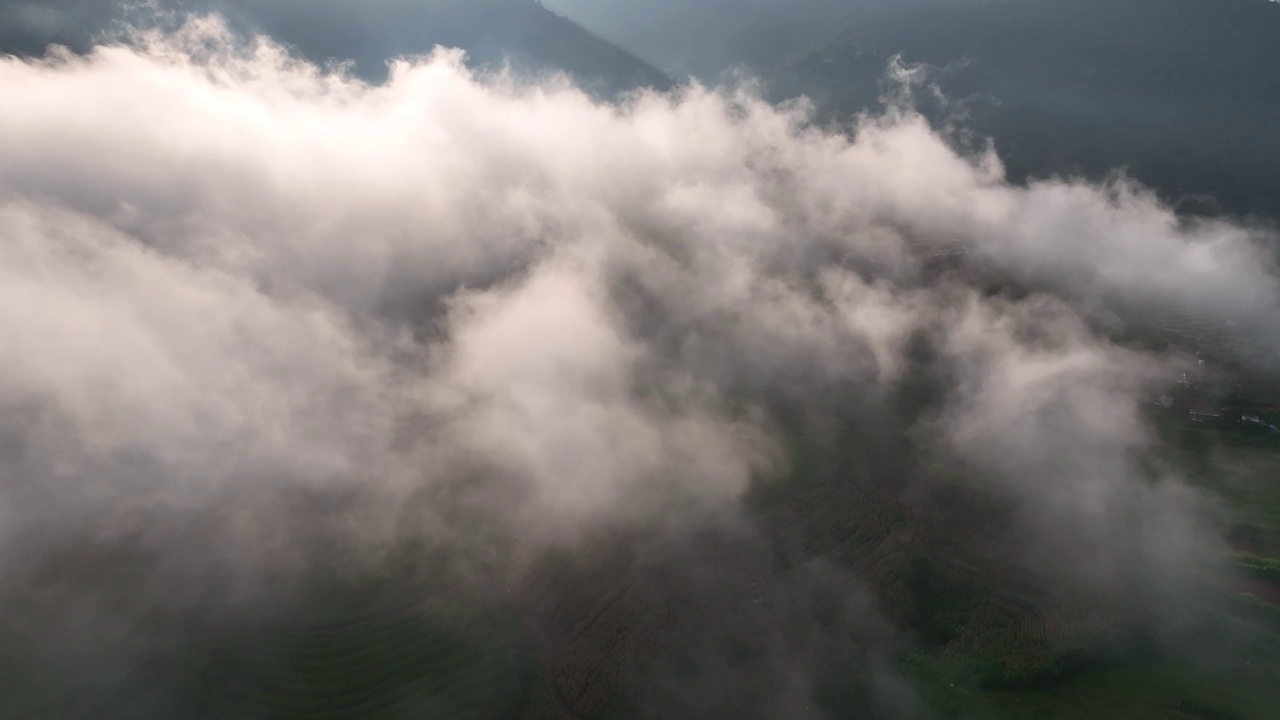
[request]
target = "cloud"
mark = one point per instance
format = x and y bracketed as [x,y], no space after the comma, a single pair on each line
[504,316]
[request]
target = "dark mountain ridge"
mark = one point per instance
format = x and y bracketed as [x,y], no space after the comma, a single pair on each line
[1183,94]
[1177,92]
[518,33]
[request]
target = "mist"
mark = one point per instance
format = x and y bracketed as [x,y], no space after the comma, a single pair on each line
[519,37]
[263,318]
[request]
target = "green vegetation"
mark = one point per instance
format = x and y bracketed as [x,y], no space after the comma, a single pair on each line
[436,664]
[1175,91]
[1261,568]
[987,639]
[1017,656]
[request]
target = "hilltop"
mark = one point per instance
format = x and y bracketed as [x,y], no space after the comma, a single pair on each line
[494,33]
[1182,94]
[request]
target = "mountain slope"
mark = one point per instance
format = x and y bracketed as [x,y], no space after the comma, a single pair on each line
[493,32]
[1180,92]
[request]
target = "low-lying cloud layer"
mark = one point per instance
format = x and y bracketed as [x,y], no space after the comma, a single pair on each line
[500,316]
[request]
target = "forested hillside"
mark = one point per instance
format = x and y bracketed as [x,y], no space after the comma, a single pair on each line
[493,32]
[1184,94]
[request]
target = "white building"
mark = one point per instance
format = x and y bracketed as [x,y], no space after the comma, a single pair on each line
[1204,413]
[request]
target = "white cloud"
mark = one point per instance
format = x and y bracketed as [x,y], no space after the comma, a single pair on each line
[225,270]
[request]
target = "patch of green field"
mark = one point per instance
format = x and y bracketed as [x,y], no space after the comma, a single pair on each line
[1227,668]
[1238,466]
[440,665]
[1245,686]
[1154,691]
[996,645]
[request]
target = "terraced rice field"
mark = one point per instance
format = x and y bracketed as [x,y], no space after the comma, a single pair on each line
[1231,671]
[613,642]
[1228,667]
[414,664]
